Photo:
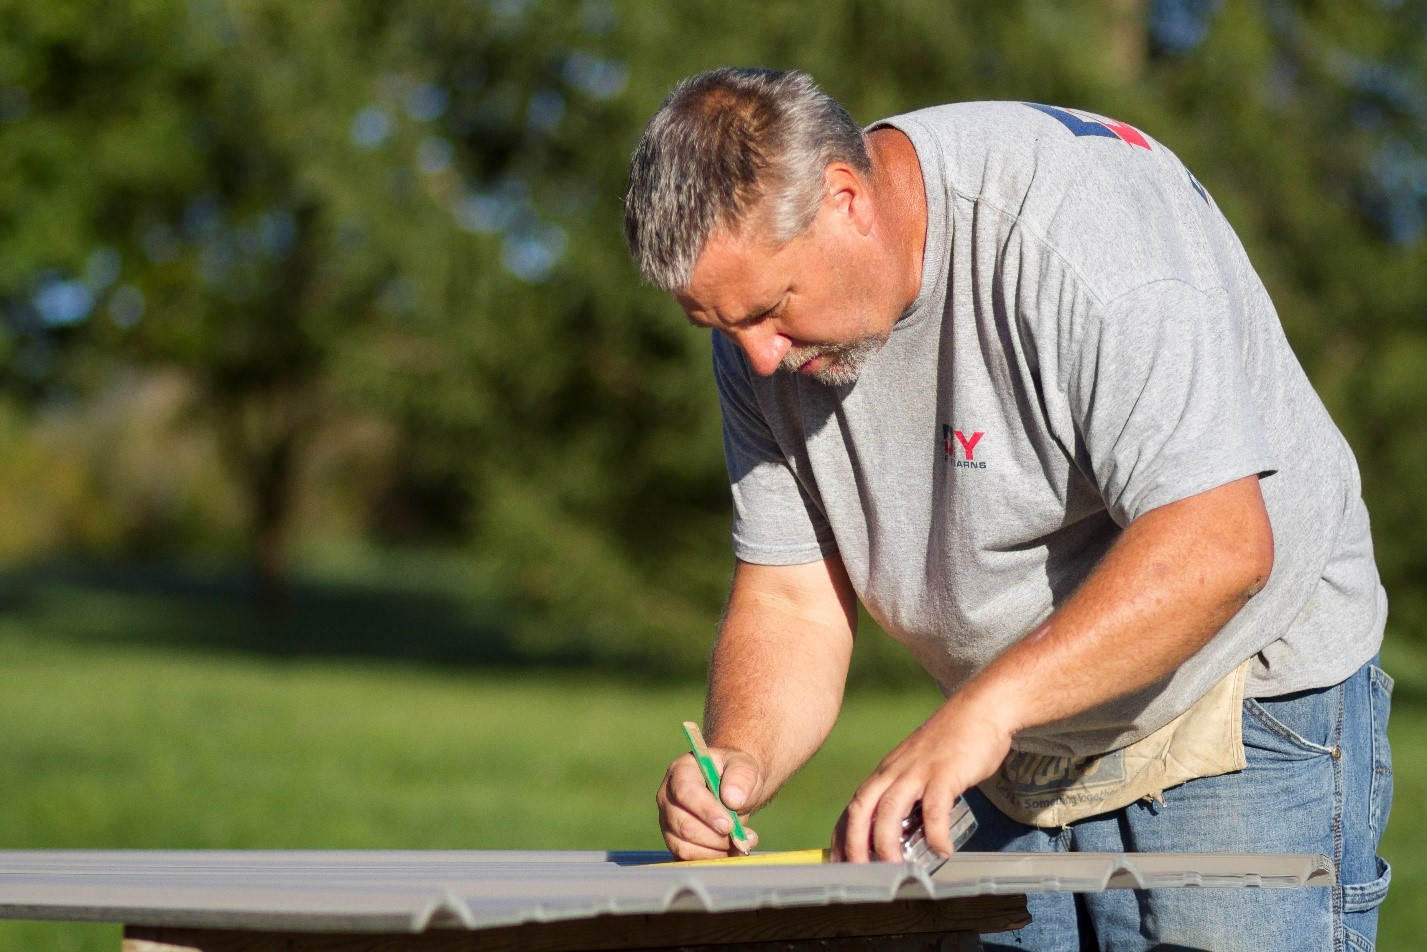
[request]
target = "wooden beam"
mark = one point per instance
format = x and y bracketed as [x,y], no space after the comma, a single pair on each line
[148,945]
[916,942]
[944,925]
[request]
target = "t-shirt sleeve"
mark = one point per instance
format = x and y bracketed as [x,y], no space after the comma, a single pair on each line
[776,520]
[1162,401]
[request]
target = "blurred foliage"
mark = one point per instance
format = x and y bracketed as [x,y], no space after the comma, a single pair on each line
[279,274]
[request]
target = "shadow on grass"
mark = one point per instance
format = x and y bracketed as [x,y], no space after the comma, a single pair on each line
[413,608]
[407,619]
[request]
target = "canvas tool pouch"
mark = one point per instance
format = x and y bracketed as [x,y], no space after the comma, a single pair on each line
[1049,791]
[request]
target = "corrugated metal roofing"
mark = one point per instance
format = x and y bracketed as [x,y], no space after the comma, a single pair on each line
[413,891]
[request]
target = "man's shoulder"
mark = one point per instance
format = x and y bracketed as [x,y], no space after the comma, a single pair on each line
[960,128]
[1101,197]
[1004,134]
[997,150]
[986,121]
[967,111]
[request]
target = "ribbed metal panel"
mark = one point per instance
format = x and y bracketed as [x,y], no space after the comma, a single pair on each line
[414,891]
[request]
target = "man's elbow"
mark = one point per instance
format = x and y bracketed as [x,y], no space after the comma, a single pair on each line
[1252,561]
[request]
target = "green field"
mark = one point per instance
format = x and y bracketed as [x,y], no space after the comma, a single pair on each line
[114,744]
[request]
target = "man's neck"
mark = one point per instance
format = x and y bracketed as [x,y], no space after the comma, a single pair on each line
[897,173]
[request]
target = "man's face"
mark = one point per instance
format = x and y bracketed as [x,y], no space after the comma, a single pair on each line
[820,304]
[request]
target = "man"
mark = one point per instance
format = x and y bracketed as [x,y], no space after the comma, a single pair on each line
[1003,372]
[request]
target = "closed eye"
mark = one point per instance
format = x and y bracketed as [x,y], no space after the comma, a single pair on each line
[763,315]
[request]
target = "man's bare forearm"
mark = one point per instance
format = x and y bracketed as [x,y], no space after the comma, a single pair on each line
[780,664]
[1172,581]
[1167,586]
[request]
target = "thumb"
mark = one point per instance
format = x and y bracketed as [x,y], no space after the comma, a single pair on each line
[739,780]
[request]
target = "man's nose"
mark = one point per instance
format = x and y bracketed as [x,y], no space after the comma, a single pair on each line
[764,347]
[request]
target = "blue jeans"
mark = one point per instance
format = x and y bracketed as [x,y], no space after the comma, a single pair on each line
[1318,780]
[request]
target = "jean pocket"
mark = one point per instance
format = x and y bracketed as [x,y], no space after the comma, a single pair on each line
[1355,941]
[1294,725]
[1380,697]
[1362,897]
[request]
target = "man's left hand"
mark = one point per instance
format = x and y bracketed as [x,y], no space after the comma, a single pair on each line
[958,746]
[1175,576]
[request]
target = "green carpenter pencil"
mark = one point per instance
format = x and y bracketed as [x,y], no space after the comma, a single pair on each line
[700,751]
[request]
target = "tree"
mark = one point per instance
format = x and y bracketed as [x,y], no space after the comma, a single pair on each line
[408,212]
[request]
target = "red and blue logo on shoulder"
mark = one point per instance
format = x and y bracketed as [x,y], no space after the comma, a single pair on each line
[1084,124]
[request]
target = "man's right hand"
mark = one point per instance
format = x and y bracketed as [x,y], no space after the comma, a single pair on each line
[695,825]
[775,684]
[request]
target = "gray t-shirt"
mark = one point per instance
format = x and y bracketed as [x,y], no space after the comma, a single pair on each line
[1090,342]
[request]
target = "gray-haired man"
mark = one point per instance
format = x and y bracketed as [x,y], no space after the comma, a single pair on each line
[1003,372]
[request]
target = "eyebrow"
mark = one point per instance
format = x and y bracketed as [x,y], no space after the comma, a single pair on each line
[751,315]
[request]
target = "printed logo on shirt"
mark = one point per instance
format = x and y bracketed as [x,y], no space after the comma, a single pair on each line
[1084,124]
[959,447]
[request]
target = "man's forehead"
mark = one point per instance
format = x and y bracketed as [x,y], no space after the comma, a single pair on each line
[734,273]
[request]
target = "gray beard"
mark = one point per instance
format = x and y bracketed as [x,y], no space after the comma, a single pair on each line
[846,364]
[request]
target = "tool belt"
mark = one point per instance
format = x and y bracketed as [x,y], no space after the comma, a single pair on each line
[1048,791]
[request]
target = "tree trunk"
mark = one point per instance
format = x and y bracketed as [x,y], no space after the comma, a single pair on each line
[262,435]
[1129,38]
[272,490]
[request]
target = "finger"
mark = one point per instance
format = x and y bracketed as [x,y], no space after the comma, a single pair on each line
[892,809]
[738,778]
[857,832]
[937,801]
[686,789]
[687,851]
[750,839]
[687,827]
[688,838]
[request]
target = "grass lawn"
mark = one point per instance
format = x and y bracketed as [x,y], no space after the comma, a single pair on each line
[114,745]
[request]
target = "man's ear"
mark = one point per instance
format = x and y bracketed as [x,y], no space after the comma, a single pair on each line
[849,195]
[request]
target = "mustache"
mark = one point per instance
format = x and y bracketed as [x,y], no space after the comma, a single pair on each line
[845,363]
[798,356]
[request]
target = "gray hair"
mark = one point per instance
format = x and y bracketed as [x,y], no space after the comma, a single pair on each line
[721,143]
